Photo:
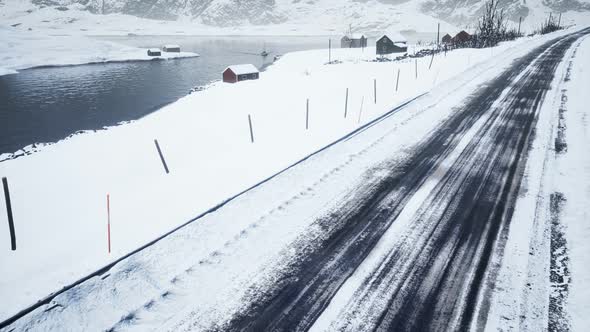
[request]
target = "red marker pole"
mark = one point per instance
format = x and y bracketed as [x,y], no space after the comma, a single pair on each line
[109,222]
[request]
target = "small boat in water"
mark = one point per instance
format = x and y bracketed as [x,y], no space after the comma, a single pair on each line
[264,52]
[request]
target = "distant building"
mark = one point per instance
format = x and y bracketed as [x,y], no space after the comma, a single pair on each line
[171,48]
[154,52]
[446,39]
[391,42]
[353,41]
[461,38]
[238,73]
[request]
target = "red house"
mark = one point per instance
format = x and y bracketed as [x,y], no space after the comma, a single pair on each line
[238,73]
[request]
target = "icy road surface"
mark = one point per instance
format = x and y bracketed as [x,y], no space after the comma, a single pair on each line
[367,240]
[453,197]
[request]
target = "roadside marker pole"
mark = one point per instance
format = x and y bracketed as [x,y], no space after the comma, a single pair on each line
[375,89]
[329,50]
[519,21]
[416,62]
[307,115]
[361,111]
[9,213]
[251,131]
[346,104]
[109,222]
[161,156]
[397,81]
[431,59]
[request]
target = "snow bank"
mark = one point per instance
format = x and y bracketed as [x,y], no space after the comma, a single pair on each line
[552,206]
[573,181]
[59,193]
[25,49]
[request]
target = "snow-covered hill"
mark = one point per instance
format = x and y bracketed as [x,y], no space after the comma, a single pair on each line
[358,12]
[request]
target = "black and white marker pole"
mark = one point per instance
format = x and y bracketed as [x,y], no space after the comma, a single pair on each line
[307,115]
[9,214]
[161,156]
[346,104]
[251,130]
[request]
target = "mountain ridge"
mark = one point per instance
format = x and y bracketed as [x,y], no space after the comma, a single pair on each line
[364,14]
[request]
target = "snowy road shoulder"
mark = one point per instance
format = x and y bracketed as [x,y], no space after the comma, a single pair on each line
[572,182]
[25,49]
[543,278]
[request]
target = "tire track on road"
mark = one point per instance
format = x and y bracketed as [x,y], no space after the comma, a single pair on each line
[435,285]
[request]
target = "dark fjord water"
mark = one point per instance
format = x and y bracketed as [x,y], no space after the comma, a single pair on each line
[45,105]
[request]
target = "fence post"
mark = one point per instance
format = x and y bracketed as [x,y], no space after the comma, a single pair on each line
[9,214]
[109,222]
[330,50]
[375,89]
[161,156]
[361,111]
[307,115]
[346,104]
[397,81]
[251,131]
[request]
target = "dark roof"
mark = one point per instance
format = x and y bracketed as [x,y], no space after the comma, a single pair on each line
[461,36]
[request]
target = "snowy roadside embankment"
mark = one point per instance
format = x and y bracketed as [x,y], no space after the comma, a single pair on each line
[59,192]
[24,49]
[573,181]
[543,278]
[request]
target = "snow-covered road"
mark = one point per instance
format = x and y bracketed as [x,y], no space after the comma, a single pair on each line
[373,233]
[449,201]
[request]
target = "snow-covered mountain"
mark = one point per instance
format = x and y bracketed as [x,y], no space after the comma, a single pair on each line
[461,10]
[274,17]
[265,12]
[212,12]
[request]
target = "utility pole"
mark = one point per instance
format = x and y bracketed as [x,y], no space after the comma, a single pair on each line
[437,36]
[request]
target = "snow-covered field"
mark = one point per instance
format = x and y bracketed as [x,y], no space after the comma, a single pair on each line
[59,192]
